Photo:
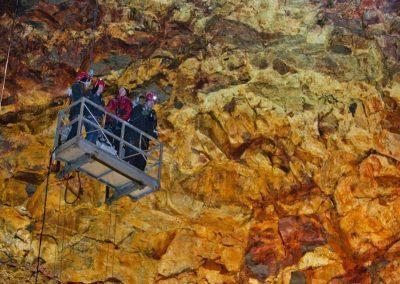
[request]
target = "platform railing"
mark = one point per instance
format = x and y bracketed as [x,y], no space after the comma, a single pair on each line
[129,143]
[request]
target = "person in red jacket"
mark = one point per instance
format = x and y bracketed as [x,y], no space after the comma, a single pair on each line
[120,106]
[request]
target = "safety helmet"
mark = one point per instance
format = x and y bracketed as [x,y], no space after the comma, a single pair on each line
[100,82]
[82,76]
[151,97]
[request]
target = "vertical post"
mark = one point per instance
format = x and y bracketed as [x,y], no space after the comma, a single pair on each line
[160,164]
[107,193]
[57,135]
[121,143]
[80,118]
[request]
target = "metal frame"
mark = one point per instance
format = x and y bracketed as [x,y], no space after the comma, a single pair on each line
[148,179]
[75,164]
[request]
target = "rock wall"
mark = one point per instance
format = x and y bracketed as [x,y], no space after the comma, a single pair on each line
[281,137]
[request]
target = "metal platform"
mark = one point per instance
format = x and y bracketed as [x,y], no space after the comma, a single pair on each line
[101,161]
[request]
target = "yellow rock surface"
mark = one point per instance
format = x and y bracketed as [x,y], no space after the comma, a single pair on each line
[280,129]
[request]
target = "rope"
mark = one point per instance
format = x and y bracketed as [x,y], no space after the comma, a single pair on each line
[64,221]
[64,214]
[93,40]
[56,255]
[115,244]
[77,196]
[44,216]
[108,243]
[62,239]
[9,52]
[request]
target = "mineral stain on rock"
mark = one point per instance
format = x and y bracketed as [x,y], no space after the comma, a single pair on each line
[280,124]
[297,277]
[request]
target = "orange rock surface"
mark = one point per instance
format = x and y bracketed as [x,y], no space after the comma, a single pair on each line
[281,135]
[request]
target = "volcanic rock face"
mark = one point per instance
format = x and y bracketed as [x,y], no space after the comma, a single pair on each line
[281,137]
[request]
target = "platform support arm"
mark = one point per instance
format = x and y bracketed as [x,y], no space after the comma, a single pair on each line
[125,190]
[74,165]
[80,118]
[160,163]
[121,144]
[57,136]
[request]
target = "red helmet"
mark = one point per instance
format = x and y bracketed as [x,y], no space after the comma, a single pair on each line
[100,82]
[82,75]
[151,96]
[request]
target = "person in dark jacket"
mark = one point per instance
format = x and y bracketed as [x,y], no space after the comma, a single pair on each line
[94,114]
[146,122]
[149,112]
[137,110]
[76,92]
[130,135]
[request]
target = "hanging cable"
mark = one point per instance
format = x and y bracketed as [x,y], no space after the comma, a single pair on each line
[62,240]
[115,244]
[108,241]
[77,196]
[56,252]
[93,39]
[44,215]
[9,52]
[64,220]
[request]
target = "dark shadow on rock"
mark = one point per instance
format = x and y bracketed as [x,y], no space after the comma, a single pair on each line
[29,177]
[282,68]
[341,49]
